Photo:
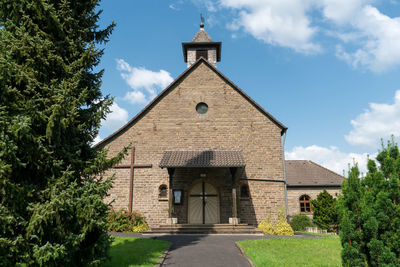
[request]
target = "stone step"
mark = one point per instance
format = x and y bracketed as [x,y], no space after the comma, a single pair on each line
[205,226]
[203,231]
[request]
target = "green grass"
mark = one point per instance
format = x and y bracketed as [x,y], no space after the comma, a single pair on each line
[293,252]
[131,251]
[328,236]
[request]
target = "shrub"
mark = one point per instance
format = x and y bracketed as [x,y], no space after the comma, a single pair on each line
[266,226]
[282,227]
[369,212]
[123,221]
[300,221]
[324,211]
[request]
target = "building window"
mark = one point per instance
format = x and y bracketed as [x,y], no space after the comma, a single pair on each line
[305,204]
[178,197]
[244,191]
[201,53]
[201,108]
[162,191]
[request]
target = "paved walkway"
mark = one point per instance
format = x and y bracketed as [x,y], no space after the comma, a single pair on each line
[206,250]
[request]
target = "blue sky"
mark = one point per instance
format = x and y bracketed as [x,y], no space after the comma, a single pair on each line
[327,69]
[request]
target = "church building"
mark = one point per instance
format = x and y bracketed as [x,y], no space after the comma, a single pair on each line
[203,151]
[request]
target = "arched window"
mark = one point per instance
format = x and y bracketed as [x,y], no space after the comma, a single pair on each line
[162,191]
[244,191]
[305,203]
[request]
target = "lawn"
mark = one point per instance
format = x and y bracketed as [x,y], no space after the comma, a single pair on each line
[131,251]
[294,251]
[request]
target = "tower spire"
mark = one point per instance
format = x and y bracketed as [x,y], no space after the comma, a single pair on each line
[202,46]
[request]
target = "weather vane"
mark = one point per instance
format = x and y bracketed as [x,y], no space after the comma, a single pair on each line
[202,21]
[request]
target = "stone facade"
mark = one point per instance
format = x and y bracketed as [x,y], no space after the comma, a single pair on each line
[211,54]
[294,194]
[171,122]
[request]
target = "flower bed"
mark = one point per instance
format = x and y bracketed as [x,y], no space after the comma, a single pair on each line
[123,221]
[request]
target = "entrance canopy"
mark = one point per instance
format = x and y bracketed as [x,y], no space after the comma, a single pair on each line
[202,158]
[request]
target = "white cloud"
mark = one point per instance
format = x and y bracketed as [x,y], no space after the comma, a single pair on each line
[330,157]
[372,38]
[341,11]
[97,140]
[283,23]
[173,7]
[379,48]
[136,97]
[379,121]
[145,83]
[116,118]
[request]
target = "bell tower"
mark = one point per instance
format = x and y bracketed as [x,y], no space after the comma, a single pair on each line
[201,46]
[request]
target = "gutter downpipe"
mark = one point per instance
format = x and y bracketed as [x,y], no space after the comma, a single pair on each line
[284,175]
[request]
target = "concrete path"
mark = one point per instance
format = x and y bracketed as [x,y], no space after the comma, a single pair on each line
[206,250]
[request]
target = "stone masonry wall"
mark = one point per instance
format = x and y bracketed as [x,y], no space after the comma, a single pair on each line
[173,123]
[294,195]
[212,56]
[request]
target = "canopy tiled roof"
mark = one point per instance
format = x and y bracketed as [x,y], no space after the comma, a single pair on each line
[308,173]
[202,158]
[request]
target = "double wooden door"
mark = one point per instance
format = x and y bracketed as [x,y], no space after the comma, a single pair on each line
[203,204]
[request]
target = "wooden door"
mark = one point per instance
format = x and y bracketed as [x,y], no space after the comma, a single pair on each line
[203,204]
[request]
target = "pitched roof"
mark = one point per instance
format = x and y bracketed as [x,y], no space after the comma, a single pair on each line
[171,86]
[202,158]
[202,36]
[308,173]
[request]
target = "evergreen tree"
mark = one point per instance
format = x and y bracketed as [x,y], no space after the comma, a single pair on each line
[369,212]
[51,178]
[324,211]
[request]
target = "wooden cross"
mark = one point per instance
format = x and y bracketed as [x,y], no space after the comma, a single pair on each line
[132,167]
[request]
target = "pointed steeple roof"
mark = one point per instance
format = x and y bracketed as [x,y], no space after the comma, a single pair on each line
[202,36]
[202,41]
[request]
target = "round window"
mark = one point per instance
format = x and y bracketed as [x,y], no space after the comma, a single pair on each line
[201,108]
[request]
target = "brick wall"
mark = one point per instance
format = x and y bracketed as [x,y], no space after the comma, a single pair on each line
[294,195]
[212,56]
[173,123]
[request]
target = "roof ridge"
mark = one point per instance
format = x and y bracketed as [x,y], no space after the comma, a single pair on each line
[325,168]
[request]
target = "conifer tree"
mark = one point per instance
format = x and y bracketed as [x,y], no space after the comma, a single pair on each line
[324,211]
[51,177]
[369,212]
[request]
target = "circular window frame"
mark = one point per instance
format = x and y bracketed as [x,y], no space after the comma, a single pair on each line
[199,107]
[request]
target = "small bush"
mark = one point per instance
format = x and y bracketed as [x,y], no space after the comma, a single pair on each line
[325,212]
[266,226]
[123,221]
[300,221]
[282,227]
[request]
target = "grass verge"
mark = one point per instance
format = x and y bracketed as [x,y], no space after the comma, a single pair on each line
[328,236]
[293,252]
[131,251]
